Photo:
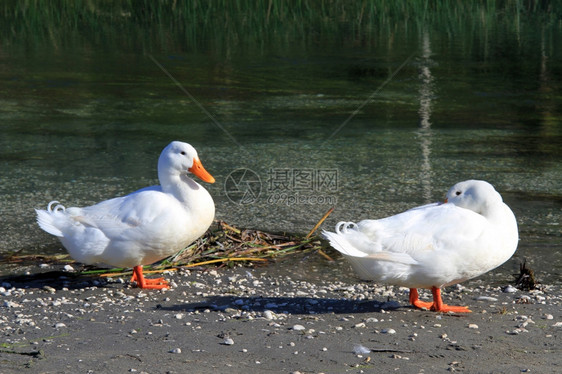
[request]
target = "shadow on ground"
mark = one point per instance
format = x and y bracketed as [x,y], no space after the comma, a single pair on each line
[292,305]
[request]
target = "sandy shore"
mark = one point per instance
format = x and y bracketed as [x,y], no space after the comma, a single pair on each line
[256,320]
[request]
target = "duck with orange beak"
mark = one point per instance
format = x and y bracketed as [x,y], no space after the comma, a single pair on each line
[143,227]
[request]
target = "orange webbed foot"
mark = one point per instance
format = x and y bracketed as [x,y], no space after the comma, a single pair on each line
[415,301]
[154,284]
[147,283]
[423,304]
[452,308]
[437,304]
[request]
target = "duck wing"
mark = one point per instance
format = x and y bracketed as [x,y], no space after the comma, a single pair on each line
[407,236]
[138,216]
[423,231]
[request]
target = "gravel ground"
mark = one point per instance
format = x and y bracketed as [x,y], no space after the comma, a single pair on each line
[269,320]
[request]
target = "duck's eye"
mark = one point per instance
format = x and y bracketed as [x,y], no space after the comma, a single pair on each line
[458,193]
[183,153]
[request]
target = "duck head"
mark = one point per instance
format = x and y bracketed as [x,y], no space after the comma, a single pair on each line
[178,158]
[475,195]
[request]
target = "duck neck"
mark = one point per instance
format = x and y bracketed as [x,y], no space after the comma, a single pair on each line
[195,199]
[181,187]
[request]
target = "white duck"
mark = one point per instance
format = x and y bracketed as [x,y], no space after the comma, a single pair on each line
[144,226]
[434,245]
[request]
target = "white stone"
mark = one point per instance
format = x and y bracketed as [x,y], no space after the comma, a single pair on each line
[510,289]
[486,298]
[68,268]
[268,314]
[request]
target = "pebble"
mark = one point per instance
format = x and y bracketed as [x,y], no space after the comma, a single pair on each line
[510,289]
[59,325]
[68,269]
[228,341]
[488,298]
[517,331]
[11,304]
[388,331]
[472,326]
[175,350]
[298,327]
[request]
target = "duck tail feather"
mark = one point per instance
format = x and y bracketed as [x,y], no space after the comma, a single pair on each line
[45,219]
[341,244]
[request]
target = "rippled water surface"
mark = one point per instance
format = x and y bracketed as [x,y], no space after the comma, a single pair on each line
[371,120]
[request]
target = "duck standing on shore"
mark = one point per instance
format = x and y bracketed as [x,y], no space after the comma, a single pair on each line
[434,245]
[143,227]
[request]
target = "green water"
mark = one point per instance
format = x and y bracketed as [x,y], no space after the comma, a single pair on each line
[392,103]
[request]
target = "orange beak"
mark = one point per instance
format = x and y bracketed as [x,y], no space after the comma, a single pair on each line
[198,170]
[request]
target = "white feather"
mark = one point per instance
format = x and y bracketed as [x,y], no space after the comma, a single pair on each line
[142,227]
[435,244]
